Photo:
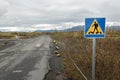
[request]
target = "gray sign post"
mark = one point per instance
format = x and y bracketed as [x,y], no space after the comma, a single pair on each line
[93,58]
[94,28]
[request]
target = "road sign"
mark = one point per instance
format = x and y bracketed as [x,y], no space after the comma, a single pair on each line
[94,28]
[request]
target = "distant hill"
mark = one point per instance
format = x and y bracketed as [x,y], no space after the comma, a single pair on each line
[45,31]
[113,27]
[75,28]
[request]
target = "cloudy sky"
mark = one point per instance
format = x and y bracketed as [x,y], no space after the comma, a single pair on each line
[40,13]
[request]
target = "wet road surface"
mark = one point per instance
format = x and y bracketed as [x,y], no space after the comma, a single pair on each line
[26,60]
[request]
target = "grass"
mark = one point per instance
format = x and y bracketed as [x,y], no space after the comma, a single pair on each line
[22,35]
[6,35]
[80,49]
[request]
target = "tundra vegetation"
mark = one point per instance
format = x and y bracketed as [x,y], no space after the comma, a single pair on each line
[78,48]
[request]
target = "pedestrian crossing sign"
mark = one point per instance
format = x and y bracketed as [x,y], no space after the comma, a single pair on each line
[94,28]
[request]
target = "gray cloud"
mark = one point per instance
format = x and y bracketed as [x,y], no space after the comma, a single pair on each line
[31,12]
[3,8]
[111,10]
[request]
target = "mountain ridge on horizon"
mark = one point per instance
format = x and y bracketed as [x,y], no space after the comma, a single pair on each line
[77,28]
[74,28]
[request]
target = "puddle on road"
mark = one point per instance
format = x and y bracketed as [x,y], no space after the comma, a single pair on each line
[42,67]
[2,54]
[17,71]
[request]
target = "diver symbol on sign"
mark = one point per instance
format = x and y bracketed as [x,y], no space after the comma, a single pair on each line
[95,28]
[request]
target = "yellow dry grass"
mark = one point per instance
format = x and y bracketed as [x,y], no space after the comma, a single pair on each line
[80,49]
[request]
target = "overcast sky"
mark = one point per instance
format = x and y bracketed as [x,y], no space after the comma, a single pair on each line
[55,12]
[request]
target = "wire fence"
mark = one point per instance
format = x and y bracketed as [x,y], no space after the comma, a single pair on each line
[77,67]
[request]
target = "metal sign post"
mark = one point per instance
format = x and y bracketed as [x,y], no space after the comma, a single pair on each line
[94,28]
[93,58]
